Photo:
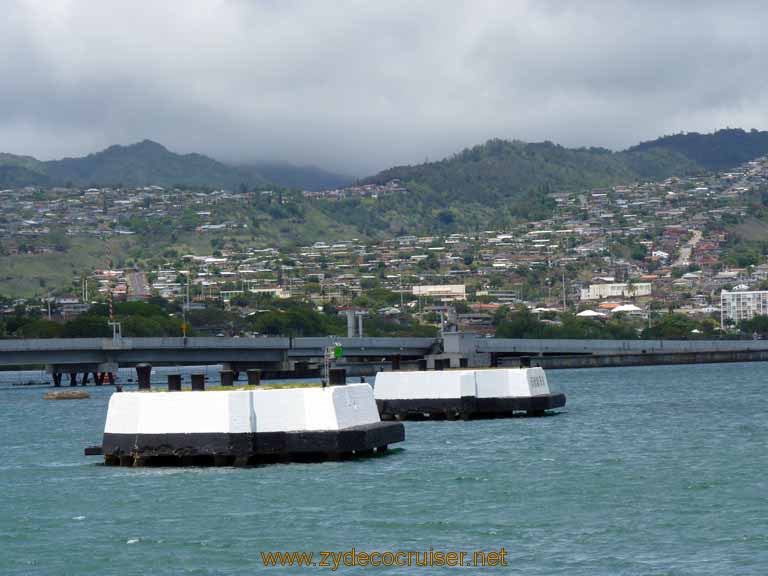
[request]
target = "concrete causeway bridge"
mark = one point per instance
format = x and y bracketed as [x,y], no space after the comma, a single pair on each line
[282,357]
[302,357]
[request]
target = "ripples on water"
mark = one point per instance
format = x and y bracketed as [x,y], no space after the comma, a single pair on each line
[655,470]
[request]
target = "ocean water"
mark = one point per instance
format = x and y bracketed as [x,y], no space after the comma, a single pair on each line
[652,471]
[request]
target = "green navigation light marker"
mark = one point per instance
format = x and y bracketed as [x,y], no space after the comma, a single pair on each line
[338,352]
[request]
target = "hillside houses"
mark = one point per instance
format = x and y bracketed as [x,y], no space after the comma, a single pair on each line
[669,241]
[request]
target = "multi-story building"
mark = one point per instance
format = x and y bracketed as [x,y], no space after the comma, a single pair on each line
[738,305]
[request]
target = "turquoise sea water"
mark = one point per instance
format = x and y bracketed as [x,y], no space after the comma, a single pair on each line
[654,470]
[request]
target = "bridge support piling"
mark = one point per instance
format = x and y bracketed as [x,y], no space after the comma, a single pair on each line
[86,375]
[337,376]
[198,382]
[301,369]
[111,378]
[395,363]
[57,379]
[73,378]
[174,382]
[98,378]
[236,375]
[143,375]
[227,377]
[254,377]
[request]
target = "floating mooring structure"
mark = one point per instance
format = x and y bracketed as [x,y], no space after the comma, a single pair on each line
[465,394]
[244,427]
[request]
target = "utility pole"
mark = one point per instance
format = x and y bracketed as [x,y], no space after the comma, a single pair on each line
[565,305]
[401,286]
[117,331]
[184,309]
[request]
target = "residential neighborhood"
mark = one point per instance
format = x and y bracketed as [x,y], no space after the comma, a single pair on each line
[634,251]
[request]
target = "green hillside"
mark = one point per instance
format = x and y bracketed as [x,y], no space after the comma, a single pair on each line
[302,177]
[501,181]
[720,150]
[488,185]
[26,162]
[494,172]
[501,169]
[16,171]
[147,162]
[12,176]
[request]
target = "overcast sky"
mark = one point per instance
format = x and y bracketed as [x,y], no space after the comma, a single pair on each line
[360,86]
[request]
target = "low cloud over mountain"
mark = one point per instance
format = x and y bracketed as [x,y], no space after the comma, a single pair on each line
[357,87]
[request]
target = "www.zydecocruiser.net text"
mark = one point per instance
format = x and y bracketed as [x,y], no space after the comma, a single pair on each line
[334,559]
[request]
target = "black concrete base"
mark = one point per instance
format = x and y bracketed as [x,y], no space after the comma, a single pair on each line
[223,449]
[467,407]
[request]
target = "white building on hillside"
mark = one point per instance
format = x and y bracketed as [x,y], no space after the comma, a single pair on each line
[444,292]
[738,305]
[616,290]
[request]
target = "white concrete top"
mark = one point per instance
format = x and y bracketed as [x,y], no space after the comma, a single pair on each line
[511,382]
[333,408]
[241,411]
[492,383]
[429,384]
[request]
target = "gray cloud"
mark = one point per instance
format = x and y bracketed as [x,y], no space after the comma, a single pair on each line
[359,86]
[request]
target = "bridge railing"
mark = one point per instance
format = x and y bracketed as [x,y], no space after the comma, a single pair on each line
[383,342]
[566,346]
[197,342]
[58,344]
[43,344]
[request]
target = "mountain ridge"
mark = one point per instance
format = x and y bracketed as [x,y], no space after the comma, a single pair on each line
[496,171]
[722,149]
[148,162]
[501,169]
[506,181]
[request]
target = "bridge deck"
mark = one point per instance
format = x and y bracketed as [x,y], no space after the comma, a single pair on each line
[130,351]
